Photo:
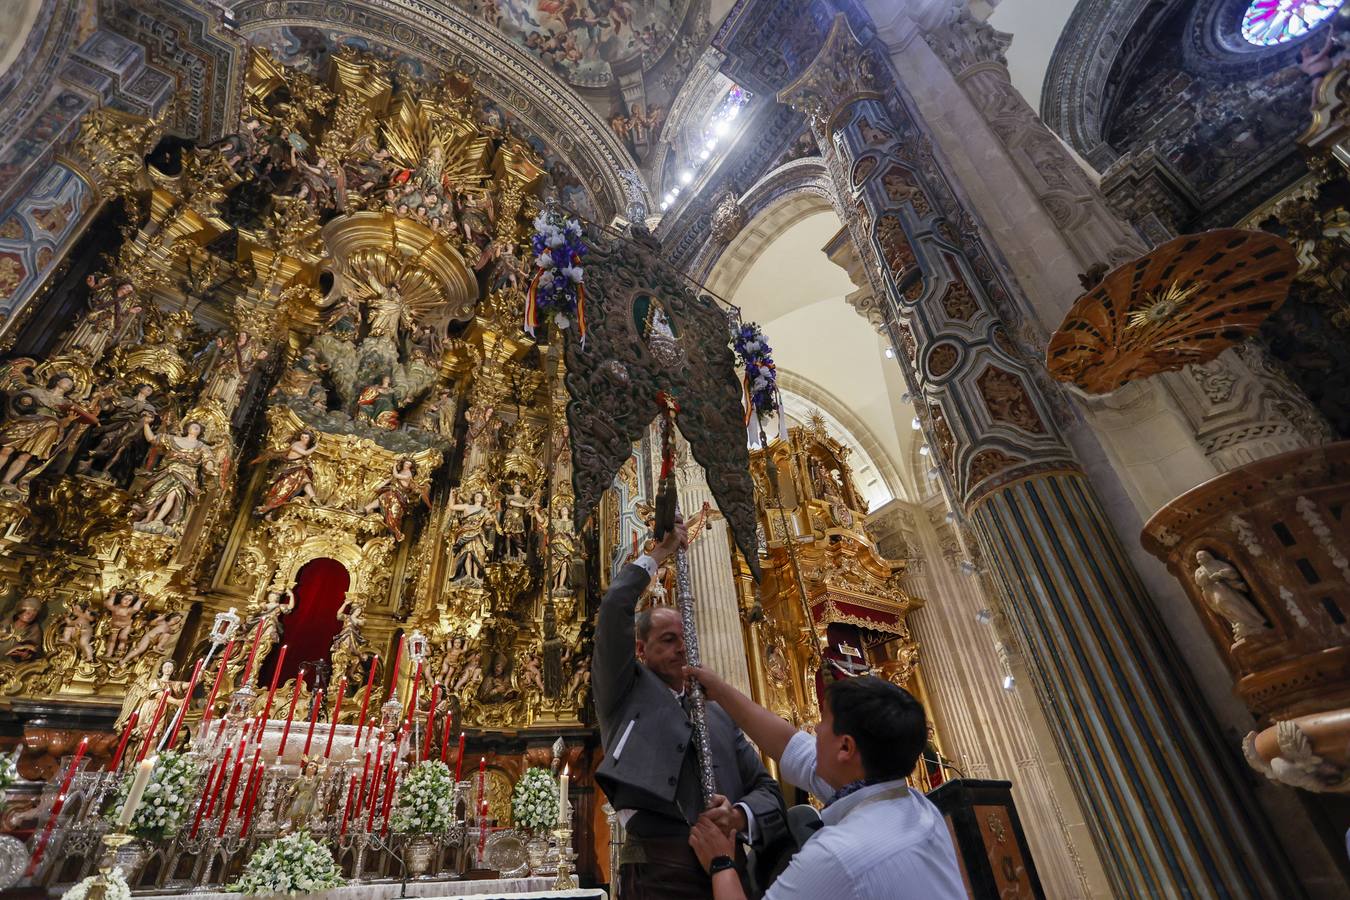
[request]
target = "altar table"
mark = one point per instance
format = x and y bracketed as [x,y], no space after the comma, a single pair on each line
[499,889]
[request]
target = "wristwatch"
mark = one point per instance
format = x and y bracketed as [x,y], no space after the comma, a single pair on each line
[721,864]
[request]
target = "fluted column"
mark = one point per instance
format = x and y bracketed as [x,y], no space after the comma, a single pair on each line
[716,610]
[1120,707]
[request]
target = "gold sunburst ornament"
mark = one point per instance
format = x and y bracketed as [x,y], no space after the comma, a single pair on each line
[1183,303]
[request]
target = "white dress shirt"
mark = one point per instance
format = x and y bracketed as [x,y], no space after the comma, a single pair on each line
[883,842]
[648,565]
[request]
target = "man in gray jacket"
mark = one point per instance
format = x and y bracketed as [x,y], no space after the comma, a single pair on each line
[650,769]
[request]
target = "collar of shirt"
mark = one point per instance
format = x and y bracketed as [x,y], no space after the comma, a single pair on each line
[885,790]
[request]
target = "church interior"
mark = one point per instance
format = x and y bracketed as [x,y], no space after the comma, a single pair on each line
[349,350]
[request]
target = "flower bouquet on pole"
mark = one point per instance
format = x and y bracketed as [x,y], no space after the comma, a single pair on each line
[762,397]
[556,292]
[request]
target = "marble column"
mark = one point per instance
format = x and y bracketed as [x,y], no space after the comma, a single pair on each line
[720,638]
[1163,796]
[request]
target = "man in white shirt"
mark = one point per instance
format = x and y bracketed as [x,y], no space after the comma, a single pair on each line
[880,840]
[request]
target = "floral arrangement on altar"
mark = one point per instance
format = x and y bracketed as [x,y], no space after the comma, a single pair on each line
[534,801]
[167,797]
[115,887]
[761,375]
[292,864]
[556,290]
[9,773]
[424,800]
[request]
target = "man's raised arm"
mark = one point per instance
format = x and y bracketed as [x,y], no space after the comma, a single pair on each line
[770,733]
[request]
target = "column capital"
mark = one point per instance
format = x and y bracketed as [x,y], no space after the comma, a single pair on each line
[842,73]
[110,150]
[966,42]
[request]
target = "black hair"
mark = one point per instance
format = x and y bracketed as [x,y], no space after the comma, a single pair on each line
[884,720]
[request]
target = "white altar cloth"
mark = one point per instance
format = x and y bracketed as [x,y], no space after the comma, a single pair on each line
[498,889]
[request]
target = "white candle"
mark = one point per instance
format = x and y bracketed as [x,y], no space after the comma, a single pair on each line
[564,808]
[143,770]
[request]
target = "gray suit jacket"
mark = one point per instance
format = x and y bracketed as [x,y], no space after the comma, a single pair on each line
[646,733]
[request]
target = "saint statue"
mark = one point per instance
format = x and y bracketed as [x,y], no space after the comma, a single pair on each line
[303,380]
[496,686]
[397,496]
[143,697]
[561,546]
[77,629]
[294,479]
[122,607]
[1226,594]
[160,637]
[21,635]
[517,510]
[376,404]
[39,420]
[118,431]
[173,486]
[228,369]
[275,605]
[349,648]
[472,538]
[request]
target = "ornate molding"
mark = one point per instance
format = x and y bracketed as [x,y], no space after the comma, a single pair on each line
[842,73]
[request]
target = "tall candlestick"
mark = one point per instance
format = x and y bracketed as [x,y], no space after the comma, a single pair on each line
[276,678]
[215,685]
[391,781]
[412,698]
[122,744]
[365,774]
[313,717]
[229,792]
[347,810]
[253,773]
[445,729]
[182,710]
[290,716]
[365,698]
[209,791]
[375,789]
[56,808]
[138,785]
[459,760]
[398,659]
[253,652]
[154,724]
[220,782]
[337,710]
[431,720]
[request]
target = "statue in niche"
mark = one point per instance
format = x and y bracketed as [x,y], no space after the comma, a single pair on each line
[554,653]
[228,365]
[450,661]
[1227,595]
[276,604]
[119,430]
[38,422]
[77,628]
[377,404]
[143,697]
[114,311]
[517,509]
[160,637]
[397,496]
[472,538]
[122,607]
[295,478]
[476,215]
[21,634]
[472,675]
[496,684]
[561,546]
[349,649]
[165,501]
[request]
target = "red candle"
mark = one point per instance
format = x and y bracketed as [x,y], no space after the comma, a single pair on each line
[122,744]
[187,699]
[365,774]
[365,699]
[276,677]
[347,810]
[390,781]
[154,724]
[374,790]
[56,808]
[313,717]
[412,699]
[445,731]
[250,794]
[290,716]
[229,792]
[398,659]
[215,685]
[208,795]
[253,652]
[431,720]
[220,782]
[459,762]
[337,710]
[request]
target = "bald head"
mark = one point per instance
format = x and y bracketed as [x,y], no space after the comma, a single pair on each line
[660,644]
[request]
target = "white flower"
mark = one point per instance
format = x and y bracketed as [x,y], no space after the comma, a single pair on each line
[574,273]
[562,321]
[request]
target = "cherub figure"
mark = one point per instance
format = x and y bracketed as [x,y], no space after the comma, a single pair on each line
[472,676]
[122,607]
[160,637]
[77,628]
[532,675]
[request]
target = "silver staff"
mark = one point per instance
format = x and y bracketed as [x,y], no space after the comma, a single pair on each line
[697,712]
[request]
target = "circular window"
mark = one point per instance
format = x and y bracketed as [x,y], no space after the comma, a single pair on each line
[1270,22]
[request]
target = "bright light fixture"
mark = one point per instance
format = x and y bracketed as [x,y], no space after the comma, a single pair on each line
[720,129]
[704,155]
[686,176]
[711,143]
[924,450]
[916,424]
[1009,682]
[890,354]
[665,204]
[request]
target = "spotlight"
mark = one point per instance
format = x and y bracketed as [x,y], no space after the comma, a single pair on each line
[669,198]
[951,518]
[967,567]
[890,354]
[1009,682]
[733,112]
[704,154]
[720,129]
[933,472]
[665,204]
[984,616]
[711,144]
[915,424]
[906,397]
[674,192]
[686,176]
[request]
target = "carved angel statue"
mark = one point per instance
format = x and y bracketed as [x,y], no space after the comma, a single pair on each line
[349,649]
[143,697]
[118,431]
[396,497]
[532,675]
[1226,594]
[77,628]
[450,661]
[580,684]
[167,496]
[37,422]
[295,478]
[471,677]
[160,637]
[517,511]
[275,605]
[471,540]
[122,607]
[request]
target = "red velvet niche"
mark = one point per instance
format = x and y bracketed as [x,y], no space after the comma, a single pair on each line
[309,630]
